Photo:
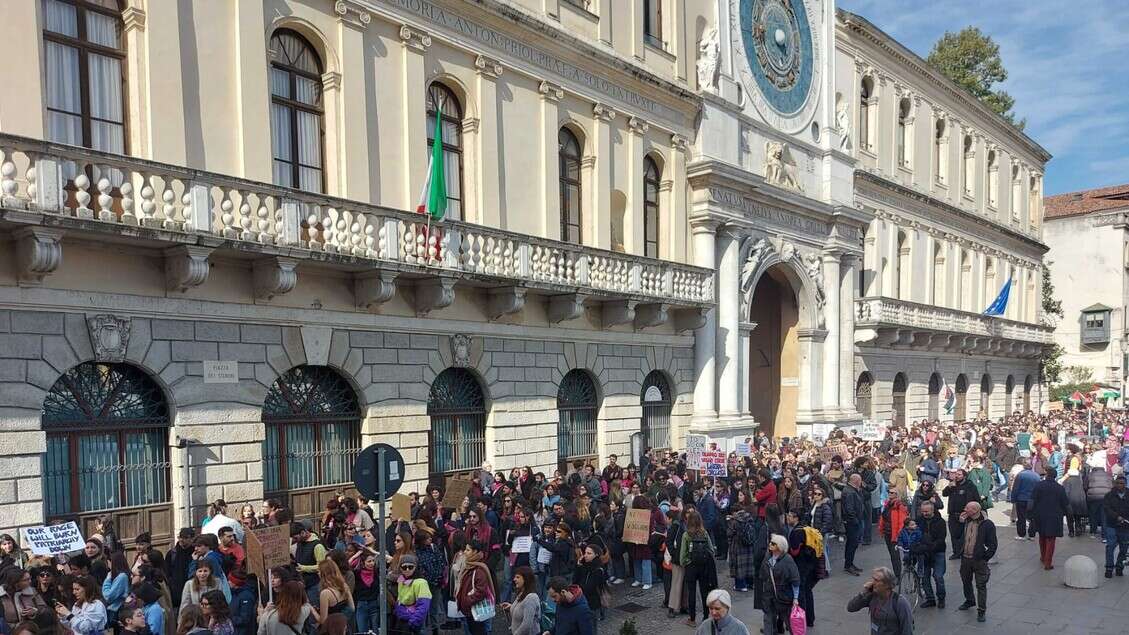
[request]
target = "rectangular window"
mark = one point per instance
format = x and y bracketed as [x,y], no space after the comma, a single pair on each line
[652,23]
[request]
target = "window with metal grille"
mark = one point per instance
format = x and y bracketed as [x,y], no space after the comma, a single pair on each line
[960,412]
[457,407]
[863,389]
[651,179]
[934,396]
[296,112]
[107,441]
[985,393]
[568,157]
[899,399]
[1009,391]
[441,99]
[313,431]
[577,406]
[656,401]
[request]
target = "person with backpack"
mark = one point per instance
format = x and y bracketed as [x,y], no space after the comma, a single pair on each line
[696,553]
[674,576]
[748,539]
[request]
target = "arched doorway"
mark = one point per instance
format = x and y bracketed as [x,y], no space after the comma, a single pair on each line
[960,410]
[656,401]
[986,395]
[457,438]
[577,407]
[107,451]
[864,390]
[1009,390]
[313,436]
[934,396]
[898,404]
[774,353]
[1028,382]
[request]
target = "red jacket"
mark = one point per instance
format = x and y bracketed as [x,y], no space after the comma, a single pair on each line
[894,515]
[764,495]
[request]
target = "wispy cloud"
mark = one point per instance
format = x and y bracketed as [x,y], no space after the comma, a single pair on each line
[1068,68]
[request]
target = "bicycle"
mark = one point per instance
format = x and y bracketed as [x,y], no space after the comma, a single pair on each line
[909,585]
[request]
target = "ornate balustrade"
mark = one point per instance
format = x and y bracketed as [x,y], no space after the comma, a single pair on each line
[888,322]
[58,186]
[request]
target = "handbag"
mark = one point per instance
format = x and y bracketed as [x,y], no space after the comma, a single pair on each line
[798,621]
[482,610]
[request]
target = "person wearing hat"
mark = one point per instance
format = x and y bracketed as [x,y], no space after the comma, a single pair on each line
[177,561]
[243,603]
[413,596]
[721,622]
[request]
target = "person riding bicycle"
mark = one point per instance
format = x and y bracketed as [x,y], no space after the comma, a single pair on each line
[908,537]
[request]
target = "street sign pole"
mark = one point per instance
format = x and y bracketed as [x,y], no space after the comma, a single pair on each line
[382,478]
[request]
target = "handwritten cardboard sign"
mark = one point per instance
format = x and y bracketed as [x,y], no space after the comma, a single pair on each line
[637,526]
[53,539]
[267,548]
[454,492]
[828,451]
[401,508]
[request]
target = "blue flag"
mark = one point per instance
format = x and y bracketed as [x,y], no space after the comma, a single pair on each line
[999,305]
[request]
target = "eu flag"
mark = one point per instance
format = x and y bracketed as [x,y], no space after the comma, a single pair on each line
[998,306]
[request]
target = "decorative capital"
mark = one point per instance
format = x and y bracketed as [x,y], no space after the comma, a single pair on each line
[488,67]
[666,185]
[550,91]
[637,125]
[274,276]
[133,18]
[39,252]
[588,162]
[350,13]
[109,335]
[186,266]
[414,39]
[678,142]
[470,125]
[331,80]
[603,113]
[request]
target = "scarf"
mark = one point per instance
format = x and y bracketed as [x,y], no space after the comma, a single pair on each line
[367,576]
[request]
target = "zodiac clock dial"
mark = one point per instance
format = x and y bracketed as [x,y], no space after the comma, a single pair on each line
[780,51]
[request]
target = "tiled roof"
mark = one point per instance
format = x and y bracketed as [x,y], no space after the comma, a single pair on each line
[1086,202]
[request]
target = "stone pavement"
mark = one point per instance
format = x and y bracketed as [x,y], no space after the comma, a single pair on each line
[1022,597]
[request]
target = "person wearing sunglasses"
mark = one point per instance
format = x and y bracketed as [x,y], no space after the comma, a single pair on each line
[413,597]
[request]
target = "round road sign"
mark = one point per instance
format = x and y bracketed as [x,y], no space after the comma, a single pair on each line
[366,473]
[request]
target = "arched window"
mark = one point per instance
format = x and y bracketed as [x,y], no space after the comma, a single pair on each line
[656,401]
[313,436]
[867,106]
[934,396]
[441,99]
[1028,383]
[898,405]
[568,154]
[960,411]
[457,439]
[904,133]
[577,406]
[84,60]
[969,165]
[864,389]
[296,112]
[107,431]
[1009,390]
[986,395]
[940,152]
[651,179]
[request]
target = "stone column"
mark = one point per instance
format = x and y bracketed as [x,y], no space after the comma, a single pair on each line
[728,318]
[597,224]
[551,95]
[673,232]
[705,386]
[489,189]
[849,273]
[413,87]
[353,169]
[831,350]
[633,216]
[252,110]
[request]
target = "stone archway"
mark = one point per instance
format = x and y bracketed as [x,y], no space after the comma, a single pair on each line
[775,363]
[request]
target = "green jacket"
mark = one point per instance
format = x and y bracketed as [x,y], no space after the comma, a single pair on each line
[979,477]
[684,548]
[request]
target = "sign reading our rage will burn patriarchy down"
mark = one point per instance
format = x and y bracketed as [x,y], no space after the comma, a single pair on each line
[54,539]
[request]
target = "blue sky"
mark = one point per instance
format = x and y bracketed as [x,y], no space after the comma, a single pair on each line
[1068,65]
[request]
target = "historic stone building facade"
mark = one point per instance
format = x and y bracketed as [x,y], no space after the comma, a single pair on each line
[954,194]
[214,282]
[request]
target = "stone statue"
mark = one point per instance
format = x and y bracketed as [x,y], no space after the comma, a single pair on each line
[778,169]
[813,264]
[757,253]
[709,54]
[843,122]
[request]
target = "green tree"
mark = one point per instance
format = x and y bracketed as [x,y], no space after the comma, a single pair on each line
[1051,359]
[972,59]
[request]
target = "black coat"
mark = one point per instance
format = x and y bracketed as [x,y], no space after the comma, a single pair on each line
[1048,507]
[986,542]
[933,534]
[959,495]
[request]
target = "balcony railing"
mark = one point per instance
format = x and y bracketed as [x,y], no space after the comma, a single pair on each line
[115,190]
[883,312]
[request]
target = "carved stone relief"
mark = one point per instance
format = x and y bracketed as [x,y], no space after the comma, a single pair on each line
[109,336]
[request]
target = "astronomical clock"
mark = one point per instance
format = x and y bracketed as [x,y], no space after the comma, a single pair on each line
[782,59]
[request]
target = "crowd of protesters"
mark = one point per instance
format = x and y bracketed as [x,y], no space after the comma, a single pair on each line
[545,550]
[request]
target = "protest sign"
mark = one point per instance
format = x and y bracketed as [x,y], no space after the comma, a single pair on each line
[1023,443]
[267,548]
[401,508]
[872,431]
[713,463]
[744,449]
[696,441]
[544,556]
[53,539]
[828,451]
[637,526]
[455,491]
[521,544]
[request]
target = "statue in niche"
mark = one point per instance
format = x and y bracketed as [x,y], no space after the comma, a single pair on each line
[813,265]
[843,122]
[779,168]
[757,253]
[709,53]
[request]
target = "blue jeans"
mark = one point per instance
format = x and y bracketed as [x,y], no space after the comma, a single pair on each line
[438,613]
[1097,515]
[313,594]
[643,571]
[1116,539]
[933,571]
[619,569]
[854,532]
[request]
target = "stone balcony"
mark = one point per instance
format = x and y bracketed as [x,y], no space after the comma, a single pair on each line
[890,323]
[50,191]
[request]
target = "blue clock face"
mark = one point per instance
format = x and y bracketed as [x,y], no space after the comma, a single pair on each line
[778,45]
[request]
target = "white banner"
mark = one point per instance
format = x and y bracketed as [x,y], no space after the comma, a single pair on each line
[53,539]
[872,430]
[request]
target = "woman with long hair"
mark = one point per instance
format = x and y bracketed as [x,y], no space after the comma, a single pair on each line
[43,581]
[808,561]
[191,620]
[673,574]
[334,596]
[9,549]
[289,612]
[217,612]
[696,553]
[115,588]
[788,497]
[525,610]
[476,584]
[402,544]
[88,615]
[20,600]
[366,594]
[202,581]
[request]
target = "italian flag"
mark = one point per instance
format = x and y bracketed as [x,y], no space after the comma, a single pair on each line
[433,198]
